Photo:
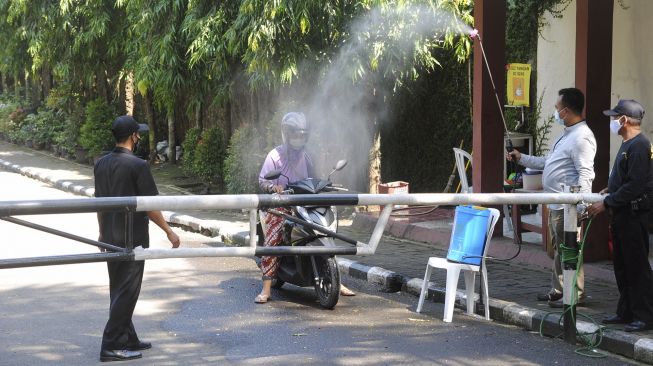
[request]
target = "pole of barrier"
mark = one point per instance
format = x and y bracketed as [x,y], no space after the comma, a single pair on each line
[52,231]
[129,230]
[570,263]
[251,201]
[64,259]
[252,228]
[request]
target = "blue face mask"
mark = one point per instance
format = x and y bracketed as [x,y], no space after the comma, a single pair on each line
[615,125]
[556,116]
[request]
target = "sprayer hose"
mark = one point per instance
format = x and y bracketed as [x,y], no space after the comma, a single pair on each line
[591,340]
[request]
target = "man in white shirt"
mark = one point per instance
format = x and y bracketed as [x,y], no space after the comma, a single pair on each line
[570,162]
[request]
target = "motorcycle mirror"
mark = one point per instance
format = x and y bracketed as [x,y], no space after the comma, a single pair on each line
[272,175]
[340,164]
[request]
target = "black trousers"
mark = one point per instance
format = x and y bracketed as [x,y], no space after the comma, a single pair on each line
[125,280]
[631,267]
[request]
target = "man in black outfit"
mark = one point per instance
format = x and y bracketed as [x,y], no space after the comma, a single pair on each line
[630,189]
[120,174]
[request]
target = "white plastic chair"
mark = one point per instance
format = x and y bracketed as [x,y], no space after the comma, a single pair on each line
[453,273]
[461,157]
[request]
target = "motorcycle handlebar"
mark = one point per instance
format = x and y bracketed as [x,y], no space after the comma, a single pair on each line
[342,189]
[327,189]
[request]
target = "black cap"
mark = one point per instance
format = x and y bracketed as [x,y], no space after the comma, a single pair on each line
[627,107]
[124,126]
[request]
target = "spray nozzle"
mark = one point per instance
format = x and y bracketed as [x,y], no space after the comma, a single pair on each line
[474,34]
[509,147]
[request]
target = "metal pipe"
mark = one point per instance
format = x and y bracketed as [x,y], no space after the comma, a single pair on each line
[64,259]
[489,72]
[150,253]
[59,206]
[46,229]
[227,202]
[305,250]
[381,223]
[204,202]
[570,264]
[129,231]
[218,202]
[486,199]
[144,254]
[252,228]
[313,226]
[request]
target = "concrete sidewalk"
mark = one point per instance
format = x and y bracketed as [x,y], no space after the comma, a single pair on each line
[401,257]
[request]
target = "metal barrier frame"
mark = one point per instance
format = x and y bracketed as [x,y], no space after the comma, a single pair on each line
[252,203]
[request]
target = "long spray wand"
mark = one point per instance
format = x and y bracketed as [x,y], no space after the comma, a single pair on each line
[474,34]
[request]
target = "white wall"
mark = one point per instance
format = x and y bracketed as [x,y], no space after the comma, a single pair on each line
[555,62]
[632,60]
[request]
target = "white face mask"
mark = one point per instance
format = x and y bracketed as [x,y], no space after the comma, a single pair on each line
[556,116]
[615,126]
[297,143]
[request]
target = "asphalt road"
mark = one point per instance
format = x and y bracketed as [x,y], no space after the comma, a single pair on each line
[201,312]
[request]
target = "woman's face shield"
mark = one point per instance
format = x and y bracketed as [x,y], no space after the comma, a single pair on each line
[296,137]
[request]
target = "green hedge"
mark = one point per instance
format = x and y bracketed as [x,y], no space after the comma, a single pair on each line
[204,155]
[243,163]
[188,148]
[95,134]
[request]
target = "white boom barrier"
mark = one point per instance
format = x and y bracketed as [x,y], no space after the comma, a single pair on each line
[255,202]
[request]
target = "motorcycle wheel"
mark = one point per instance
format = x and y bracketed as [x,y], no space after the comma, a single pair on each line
[328,285]
[277,283]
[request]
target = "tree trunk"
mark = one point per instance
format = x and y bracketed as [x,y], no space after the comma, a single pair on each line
[17,85]
[41,84]
[253,108]
[47,82]
[27,88]
[101,84]
[149,115]
[5,90]
[227,120]
[172,151]
[198,116]
[129,95]
[36,90]
[375,163]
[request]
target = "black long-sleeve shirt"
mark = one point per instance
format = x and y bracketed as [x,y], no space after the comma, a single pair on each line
[631,174]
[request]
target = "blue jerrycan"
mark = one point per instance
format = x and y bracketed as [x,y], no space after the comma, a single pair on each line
[470,227]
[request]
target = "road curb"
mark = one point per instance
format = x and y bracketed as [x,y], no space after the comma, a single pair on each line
[614,341]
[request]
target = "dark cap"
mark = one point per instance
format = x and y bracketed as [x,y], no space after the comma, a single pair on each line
[627,107]
[124,126]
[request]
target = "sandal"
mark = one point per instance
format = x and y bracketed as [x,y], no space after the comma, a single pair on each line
[261,299]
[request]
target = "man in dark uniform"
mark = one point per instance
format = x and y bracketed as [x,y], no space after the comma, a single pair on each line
[120,174]
[630,189]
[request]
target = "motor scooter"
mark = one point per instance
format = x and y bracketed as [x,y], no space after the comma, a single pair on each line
[319,271]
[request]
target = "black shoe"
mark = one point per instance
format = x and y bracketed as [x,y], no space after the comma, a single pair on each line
[549,296]
[637,326]
[615,319]
[139,346]
[118,355]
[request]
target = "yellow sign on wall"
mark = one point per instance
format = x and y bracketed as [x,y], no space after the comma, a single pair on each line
[519,78]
